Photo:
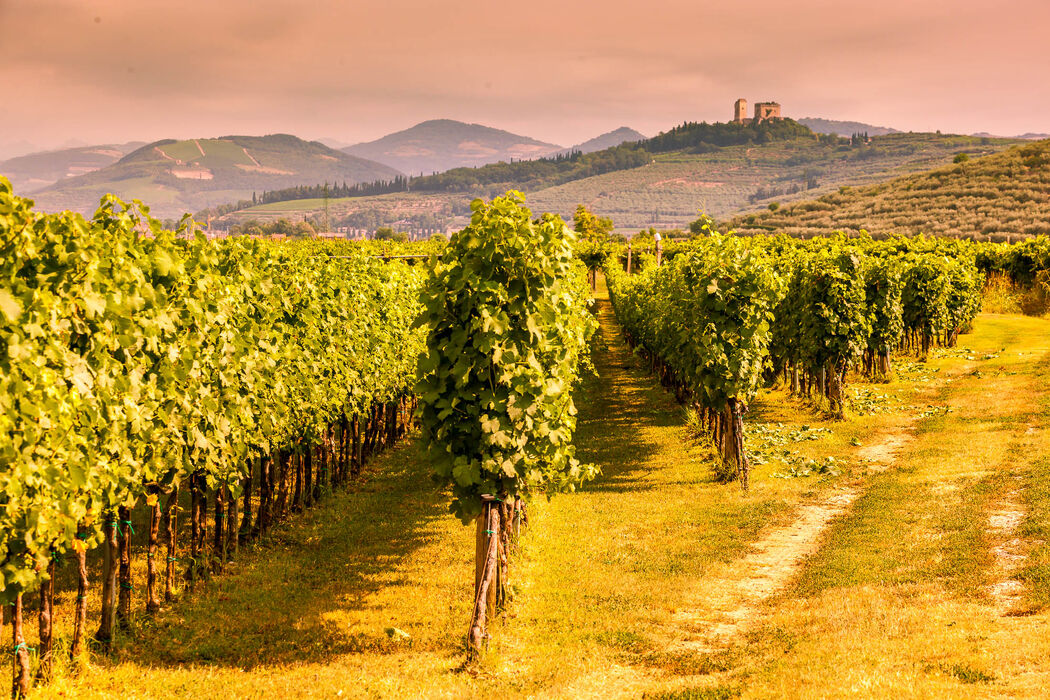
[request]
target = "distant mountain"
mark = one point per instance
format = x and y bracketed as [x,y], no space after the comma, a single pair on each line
[36,171]
[608,140]
[830,126]
[1027,137]
[442,144]
[175,177]
[13,149]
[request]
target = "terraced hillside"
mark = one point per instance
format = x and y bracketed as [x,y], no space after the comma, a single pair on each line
[676,187]
[1006,194]
[175,177]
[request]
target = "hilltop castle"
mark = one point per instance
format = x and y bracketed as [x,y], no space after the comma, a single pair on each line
[764,111]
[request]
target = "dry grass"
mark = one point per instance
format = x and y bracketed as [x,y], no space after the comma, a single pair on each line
[896,604]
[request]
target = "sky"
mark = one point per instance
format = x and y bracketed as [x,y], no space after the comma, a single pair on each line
[107,71]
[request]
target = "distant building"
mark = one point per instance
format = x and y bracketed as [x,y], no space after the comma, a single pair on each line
[740,111]
[764,112]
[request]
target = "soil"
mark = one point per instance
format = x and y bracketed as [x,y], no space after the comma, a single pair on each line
[1009,552]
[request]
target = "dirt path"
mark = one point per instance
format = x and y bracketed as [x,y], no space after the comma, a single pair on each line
[1009,551]
[165,155]
[732,600]
[198,144]
[882,453]
[251,158]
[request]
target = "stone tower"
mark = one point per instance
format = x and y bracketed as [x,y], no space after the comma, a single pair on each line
[740,111]
[766,111]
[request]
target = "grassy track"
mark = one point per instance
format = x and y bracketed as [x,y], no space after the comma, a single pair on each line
[894,602]
[897,602]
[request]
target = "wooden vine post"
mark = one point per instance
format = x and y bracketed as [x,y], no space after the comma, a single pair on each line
[20,683]
[104,635]
[46,624]
[487,580]
[80,610]
[124,533]
[152,537]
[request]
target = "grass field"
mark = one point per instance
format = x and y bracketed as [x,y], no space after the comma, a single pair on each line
[654,580]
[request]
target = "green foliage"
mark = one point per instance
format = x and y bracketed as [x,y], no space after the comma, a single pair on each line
[703,226]
[883,285]
[133,358]
[723,309]
[828,297]
[707,314]
[591,228]
[506,309]
[593,243]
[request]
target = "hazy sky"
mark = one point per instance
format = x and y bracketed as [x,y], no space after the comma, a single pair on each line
[562,71]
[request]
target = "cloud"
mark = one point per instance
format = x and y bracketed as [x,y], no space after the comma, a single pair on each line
[109,70]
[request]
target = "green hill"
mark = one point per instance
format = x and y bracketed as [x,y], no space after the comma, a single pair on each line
[609,139]
[36,171]
[442,144]
[673,187]
[174,177]
[1006,194]
[845,128]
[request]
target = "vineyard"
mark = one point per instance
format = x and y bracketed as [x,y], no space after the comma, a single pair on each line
[199,430]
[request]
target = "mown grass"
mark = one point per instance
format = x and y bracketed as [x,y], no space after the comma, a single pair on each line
[896,603]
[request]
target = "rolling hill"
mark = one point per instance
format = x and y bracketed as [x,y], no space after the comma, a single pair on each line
[674,186]
[845,128]
[174,177]
[36,171]
[1000,195]
[442,144]
[608,140]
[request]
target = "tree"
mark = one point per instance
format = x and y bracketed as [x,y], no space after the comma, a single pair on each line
[703,226]
[384,233]
[591,228]
[282,227]
[303,229]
